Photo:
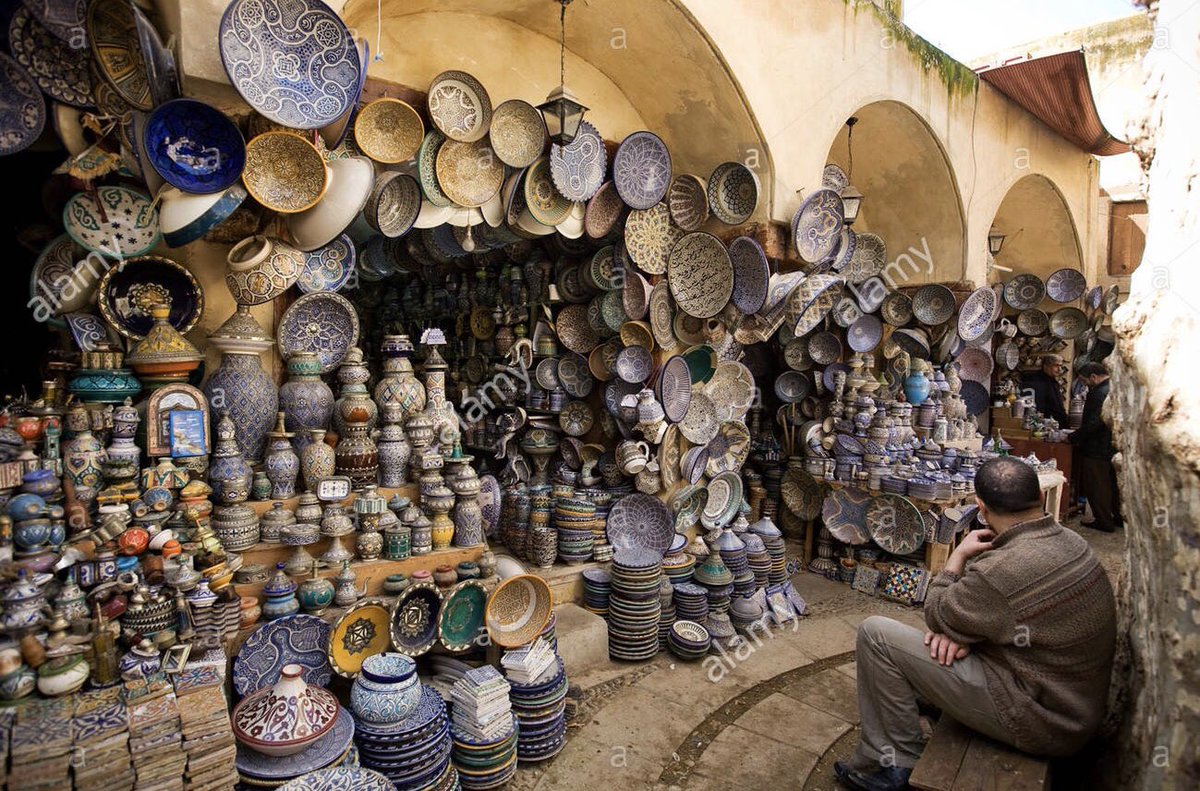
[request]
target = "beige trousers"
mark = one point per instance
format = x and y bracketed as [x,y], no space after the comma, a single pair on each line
[894,669]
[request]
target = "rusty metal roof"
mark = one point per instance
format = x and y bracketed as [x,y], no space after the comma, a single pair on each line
[1056,89]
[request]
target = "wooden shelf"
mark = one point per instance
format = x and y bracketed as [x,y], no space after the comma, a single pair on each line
[410,491]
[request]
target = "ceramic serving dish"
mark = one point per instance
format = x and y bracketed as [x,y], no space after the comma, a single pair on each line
[284,172]
[517,133]
[469,173]
[194,146]
[127,293]
[578,167]
[700,274]
[414,619]
[360,632]
[60,69]
[114,221]
[688,201]
[185,217]
[286,718]
[733,191]
[817,225]
[459,106]
[388,130]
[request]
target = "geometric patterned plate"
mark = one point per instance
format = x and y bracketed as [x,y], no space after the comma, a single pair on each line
[640,521]
[802,493]
[362,631]
[976,364]
[341,778]
[642,170]
[895,524]
[1024,291]
[328,268]
[517,133]
[675,388]
[1066,285]
[817,226]
[867,260]
[459,106]
[732,192]
[59,69]
[650,237]
[1033,322]
[461,617]
[933,304]
[113,221]
[976,314]
[751,273]
[293,639]
[1068,323]
[321,322]
[845,514]
[24,115]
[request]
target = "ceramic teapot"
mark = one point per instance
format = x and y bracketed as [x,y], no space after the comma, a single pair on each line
[632,456]
[24,605]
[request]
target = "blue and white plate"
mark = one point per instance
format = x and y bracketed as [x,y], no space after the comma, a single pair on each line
[292,60]
[66,19]
[299,639]
[114,221]
[22,108]
[328,268]
[194,147]
[818,225]
[323,323]
[322,753]
[61,71]
[642,170]
[340,778]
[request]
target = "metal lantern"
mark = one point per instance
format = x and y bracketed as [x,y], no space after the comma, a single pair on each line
[851,203]
[995,242]
[563,115]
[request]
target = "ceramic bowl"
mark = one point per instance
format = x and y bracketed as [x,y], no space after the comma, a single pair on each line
[388,130]
[518,610]
[350,183]
[185,217]
[261,268]
[193,146]
[285,172]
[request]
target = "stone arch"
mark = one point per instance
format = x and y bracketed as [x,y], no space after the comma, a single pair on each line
[911,195]
[674,83]
[1039,230]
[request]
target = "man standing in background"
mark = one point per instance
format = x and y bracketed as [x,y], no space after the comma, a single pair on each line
[1047,393]
[1093,438]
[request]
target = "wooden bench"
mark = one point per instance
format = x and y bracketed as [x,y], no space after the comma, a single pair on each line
[958,759]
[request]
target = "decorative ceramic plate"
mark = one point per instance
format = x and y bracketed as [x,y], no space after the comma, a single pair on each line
[847,244]
[459,106]
[802,493]
[88,331]
[1033,322]
[635,296]
[547,205]
[518,610]
[112,34]
[604,211]
[414,619]
[576,418]
[792,386]
[518,133]
[340,778]
[24,115]
[650,238]
[1066,285]
[1068,323]
[292,60]
[817,226]
[460,621]
[700,423]
[427,168]
[394,204]
[127,293]
[1024,291]
[642,170]
[732,192]
[724,500]
[285,172]
[323,323]
[728,451]
[328,268]
[868,259]
[640,521]
[1008,355]
[194,147]
[975,315]
[578,167]
[731,389]
[634,364]
[975,396]
[976,364]
[845,514]
[293,639]
[675,388]
[59,69]
[700,274]
[604,272]
[865,334]
[933,304]
[895,524]
[662,316]
[161,72]
[1095,296]
[324,752]
[574,331]
[688,201]
[751,273]
[834,178]
[896,309]
[469,173]
[1112,298]
[813,301]
[114,221]
[825,348]
[389,131]
[64,18]
[362,631]
[546,373]
[796,355]
[574,376]
[702,362]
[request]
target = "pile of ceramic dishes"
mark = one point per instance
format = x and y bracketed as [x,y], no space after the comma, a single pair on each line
[720,627]
[548,634]
[483,765]
[678,565]
[634,608]
[483,729]
[597,587]
[540,707]
[688,640]
[413,753]
[716,577]
[574,518]
[759,560]
[261,769]
[665,620]
[746,614]
[691,602]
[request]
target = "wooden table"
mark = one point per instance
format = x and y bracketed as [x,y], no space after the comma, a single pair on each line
[1061,452]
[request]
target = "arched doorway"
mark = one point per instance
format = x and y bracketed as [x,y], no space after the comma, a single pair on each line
[910,194]
[1039,232]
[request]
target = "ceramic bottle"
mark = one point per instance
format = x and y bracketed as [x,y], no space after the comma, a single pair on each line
[317,460]
[356,455]
[227,462]
[282,463]
[240,386]
[305,399]
[395,452]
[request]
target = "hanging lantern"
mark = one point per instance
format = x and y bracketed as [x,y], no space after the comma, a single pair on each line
[851,202]
[561,110]
[995,242]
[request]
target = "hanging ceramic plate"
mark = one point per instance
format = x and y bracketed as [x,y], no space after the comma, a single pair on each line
[834,178]
[662,316]
[547,205]
[642,170]
[636,298]
[700,424]
[574,331]
[604,211]
[688,329]
[802,493]
[688,201]
[292,60]
[114,221]
[813,301]
[913,341]
[459,106]
[603,271]
[413,621]
[640,521]
[285,172]
[573,375]
[469,173]
[578,167]
[323,323]
[293,639]
[127,293]
[1068,323]
[975,315]
[824,348]
[194,147]
[976,365]
[328,268]
[732,192]
[847,244]
[389,131]
[634,364]
[731,389]
[576,419]
[897,309]
[427,168]
[728,451]
[64,18]
[460,620]
[895,524]
[751,274]
[796,355]
[1033,322]
[933,304]
[675,388]
[868,259]
[60,70]
[844,513]
[865,334]
[518,133]
[700,274]
[1008,355]
[817,226]
[160,63]
[1066,285]
[1095,296]
[650,238]
[975,396]
[1024,291]
[113,36]
[362,631]
[724,500]
[394,204]
[24,115]
[792,387]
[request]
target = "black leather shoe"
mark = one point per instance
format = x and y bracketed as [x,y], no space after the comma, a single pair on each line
[891,778]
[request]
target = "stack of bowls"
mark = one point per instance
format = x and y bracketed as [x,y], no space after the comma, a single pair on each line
[691,602]
[745,613]
[548,633]
[759,560]
[541,714]
[413,752]
[574,517]
[665,621]
[688,640]
[597,587]
[485,764]
[720,627]
[678,565]
[634,606]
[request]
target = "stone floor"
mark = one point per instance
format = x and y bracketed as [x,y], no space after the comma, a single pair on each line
[775,716]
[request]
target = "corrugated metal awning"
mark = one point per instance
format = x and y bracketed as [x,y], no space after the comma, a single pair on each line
[1057,90]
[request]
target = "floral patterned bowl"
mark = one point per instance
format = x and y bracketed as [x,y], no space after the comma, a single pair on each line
[286,718]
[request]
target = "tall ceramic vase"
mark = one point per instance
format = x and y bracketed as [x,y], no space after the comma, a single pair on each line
[398,382]
[318,460]
[395,452]
[240,386]
[282,463]
[352,375]
[305,399]
[228,464]
[356,455]
[437,406]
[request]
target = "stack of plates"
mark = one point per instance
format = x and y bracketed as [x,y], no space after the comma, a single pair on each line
[679,567]
[688,640]
[893,485]
[746,614]
[541,714]
[665,620]
[744,584]
[760,566]
[602,552]
[485,764]
[633,607]
[777,550]
[548,634]
[258,768]
[718,598]
[922,488]
[735,557]
[597,587]
[413,753]
[691,602]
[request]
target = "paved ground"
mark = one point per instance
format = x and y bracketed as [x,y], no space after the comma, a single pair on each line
[775,716]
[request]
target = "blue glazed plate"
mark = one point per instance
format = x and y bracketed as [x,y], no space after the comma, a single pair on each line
[818,225]
[62,72]
[24,115]
[114,221]
[642,170]
[323,323]
[328,268]
[194,146]
[127,293]
[322,753]
[292,60]
[299,639]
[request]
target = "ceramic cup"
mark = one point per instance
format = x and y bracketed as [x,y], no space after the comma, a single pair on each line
[632,456]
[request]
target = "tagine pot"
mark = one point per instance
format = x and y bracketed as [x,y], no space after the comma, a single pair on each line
[286,718]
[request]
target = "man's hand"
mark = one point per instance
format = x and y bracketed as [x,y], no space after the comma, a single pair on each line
[943,650]
[975,543]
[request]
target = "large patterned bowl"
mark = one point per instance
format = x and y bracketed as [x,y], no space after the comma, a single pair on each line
[518,610]
[414,619]
[286,718]
[194,147]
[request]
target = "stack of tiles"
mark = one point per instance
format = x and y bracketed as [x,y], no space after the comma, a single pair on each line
[481,708]
[40,747]
[207,735]
[154,741]
[523,665]
[100,735]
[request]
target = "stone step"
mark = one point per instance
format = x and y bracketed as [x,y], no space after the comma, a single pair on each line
[582,639]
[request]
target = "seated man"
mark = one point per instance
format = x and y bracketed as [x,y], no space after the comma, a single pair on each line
[1022,628]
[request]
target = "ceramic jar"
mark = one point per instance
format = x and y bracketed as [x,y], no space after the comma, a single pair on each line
[141,661]
[227,465]
[272,523]
[280,593]
[398,382]
[318,460]
[17,683]
[315,594]
[916,387]
[387,690]
[468,519]
[305,399]
[439,501]
[445,576]
[397,542]
[354,402]
[240,386]
[62,675]
[487,564]
[393,447]
[25,605]
[260,487]
[83,454]
[308,510]
[282,463]
[261,268]
[356,455]
[422,535]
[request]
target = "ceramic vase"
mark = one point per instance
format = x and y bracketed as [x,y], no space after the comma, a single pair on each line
[437,407]
[315,594]
[228,465]
[354,401]
[124,455]
[317,460]
[240,386]
[261,268]
[387,689]
[398,382]
[393,447]
[280,595]
[305,399]
[916,387]
[468,515]
[282,463]
[83,454]
[356,456]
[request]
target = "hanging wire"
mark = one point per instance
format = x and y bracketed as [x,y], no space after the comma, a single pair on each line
[850,148]
[378,31]
[562,43]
